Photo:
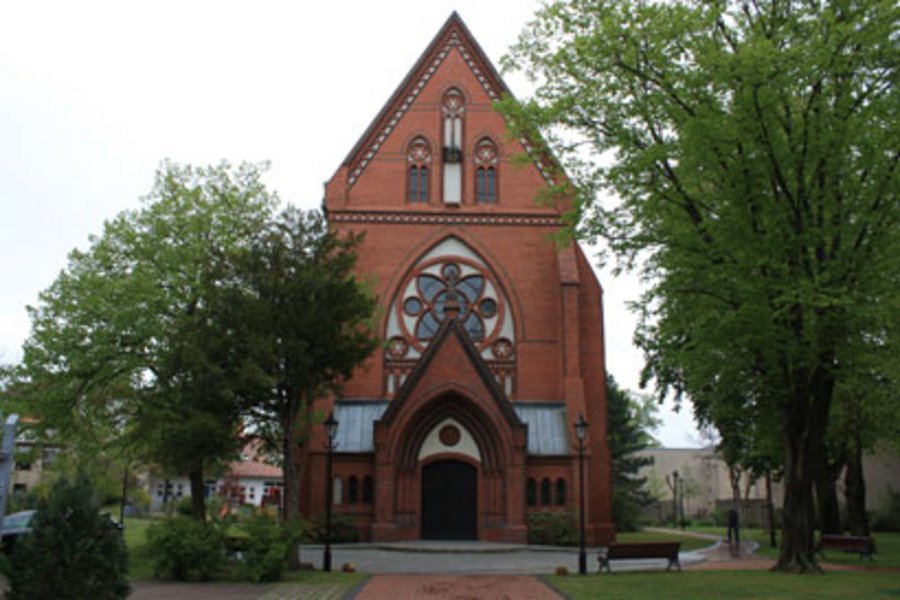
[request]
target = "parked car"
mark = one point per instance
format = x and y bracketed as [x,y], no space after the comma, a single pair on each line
[20,523]
[14,526]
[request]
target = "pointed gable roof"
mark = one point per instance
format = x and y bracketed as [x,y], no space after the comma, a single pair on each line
[453,35]
[452,330]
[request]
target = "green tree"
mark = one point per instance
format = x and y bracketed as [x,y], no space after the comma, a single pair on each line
[753,150]
[74,551]
[629,421]
[124,349]
[301,322]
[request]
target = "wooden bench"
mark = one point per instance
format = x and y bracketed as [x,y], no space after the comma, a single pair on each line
[861,544]
[620,550]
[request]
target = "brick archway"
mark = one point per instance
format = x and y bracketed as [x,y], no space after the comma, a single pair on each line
[493,468]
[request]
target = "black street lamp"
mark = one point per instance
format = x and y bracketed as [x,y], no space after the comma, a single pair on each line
[675,498]
[581,433]
[331,425]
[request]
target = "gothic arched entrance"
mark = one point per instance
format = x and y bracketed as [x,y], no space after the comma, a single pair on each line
[449,501]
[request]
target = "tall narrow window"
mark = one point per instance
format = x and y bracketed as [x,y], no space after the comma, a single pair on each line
[531,492]
[452,112]
[546,494]
[418,158]
[486,172]
[368,491]
[560,492]
[337,491]
[352,490]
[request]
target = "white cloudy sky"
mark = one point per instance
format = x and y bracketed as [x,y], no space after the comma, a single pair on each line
[93,95]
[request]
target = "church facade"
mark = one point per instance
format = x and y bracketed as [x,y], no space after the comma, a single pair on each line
[462,423]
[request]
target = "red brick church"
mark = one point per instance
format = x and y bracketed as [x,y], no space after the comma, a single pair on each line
[462,424]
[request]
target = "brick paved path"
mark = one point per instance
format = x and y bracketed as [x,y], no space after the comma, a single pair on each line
[236,591]
[456,587]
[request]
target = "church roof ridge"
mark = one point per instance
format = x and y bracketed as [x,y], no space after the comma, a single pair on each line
[454,32]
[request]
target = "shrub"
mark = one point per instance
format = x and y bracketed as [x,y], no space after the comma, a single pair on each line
[552,528]
[74,551]
[887,518]
[185,507]
[265,550]
[343,529]
[185,549]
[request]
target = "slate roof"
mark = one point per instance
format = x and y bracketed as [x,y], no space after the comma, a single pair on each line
[356,421]
[547,425]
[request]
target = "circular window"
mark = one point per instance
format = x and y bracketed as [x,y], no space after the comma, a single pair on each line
[502,348]
[412,306]
[397,347]
[441,282]
[450,271]
[449,435]
[488,308]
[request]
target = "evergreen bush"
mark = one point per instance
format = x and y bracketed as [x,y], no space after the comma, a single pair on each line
[185,549]
[552,528]
[265,550]
[343,529]
[74,551]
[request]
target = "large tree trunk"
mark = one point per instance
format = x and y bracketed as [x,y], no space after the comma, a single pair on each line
[198,501]
[770,509]
[829,512]
[804,425]
[291,459]
[855,491]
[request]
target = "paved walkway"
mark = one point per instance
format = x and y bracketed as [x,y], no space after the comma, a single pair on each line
[454,571]
[456,587]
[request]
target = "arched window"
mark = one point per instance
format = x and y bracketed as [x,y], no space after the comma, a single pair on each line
[452,108]
[337,491]
[418,158]
[531,492]
[486,164]
[560,492]
[352,490]
[546,495]
[368,492]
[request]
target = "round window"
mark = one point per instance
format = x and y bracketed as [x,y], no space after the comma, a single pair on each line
[449,435]
[412,306]
[488,308]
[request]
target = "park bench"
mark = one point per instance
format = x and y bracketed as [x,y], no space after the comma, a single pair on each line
[621,550]
[861,544]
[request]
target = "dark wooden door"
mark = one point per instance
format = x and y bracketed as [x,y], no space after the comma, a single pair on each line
[449,501]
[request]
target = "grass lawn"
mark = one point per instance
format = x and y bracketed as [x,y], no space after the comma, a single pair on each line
[887,547]
[688,543]
[698,585]
[139,566]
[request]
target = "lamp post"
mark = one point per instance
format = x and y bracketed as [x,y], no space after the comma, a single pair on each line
[581,433]
[675,498]
[330,430]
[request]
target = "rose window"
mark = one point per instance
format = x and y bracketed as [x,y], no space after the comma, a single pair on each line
[433,291]
[450,276]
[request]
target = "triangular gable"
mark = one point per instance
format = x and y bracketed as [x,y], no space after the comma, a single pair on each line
[451,331]
[453,35]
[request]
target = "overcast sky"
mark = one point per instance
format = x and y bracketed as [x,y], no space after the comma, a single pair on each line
[94,95]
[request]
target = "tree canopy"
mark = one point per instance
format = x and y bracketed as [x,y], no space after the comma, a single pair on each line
[302,323]
[745,154]
[124,349]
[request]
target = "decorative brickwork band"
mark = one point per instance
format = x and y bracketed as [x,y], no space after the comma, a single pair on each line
[413,218]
